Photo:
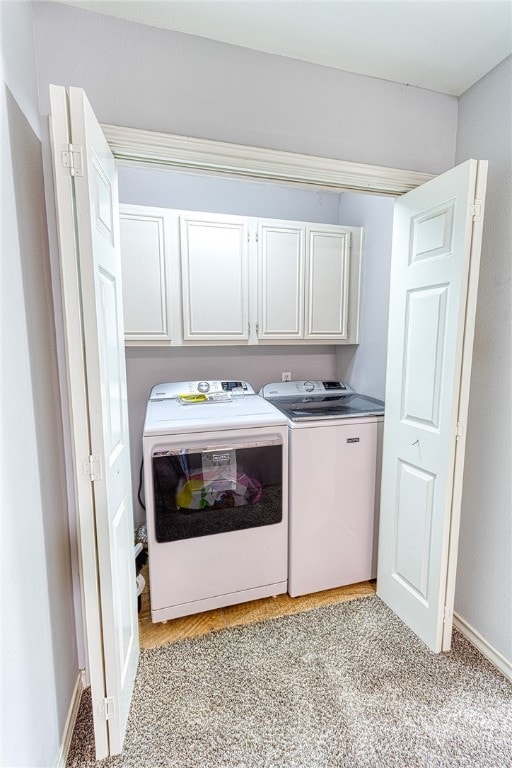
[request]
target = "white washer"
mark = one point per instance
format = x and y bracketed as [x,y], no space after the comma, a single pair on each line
[334,473]
[216,488]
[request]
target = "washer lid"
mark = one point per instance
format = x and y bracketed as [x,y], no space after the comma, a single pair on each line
[329,407]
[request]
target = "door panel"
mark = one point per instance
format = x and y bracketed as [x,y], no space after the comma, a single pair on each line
[413,524]
[425,328]
[111,365]
[435,250]
[102,198]
[431,233]
[123,575]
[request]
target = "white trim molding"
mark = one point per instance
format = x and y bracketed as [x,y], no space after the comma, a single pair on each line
[133,145]
[69,727]
[490,653]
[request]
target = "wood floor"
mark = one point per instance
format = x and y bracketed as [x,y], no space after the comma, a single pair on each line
[154,635]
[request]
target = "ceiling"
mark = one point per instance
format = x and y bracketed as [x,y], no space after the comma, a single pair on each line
[443,45]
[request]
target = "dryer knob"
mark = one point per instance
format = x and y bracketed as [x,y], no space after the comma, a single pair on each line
[203,386]
[309,386]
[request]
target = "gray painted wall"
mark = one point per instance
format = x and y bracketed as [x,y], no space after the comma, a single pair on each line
[152,78]
[484,578]
[39,654]
[364,366]
[201,192]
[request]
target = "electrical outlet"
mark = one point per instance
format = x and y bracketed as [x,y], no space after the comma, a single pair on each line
[286,376]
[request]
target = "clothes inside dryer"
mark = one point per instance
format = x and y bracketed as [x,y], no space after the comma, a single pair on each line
[208,492]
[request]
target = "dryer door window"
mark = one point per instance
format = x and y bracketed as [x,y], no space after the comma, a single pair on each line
[202,493]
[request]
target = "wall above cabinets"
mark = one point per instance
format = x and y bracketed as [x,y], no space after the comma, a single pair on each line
[195,279]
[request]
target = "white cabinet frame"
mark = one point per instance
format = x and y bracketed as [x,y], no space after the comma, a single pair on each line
[286,316]
[260,285]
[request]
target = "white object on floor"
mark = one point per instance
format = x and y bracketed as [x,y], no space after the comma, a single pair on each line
[141,584]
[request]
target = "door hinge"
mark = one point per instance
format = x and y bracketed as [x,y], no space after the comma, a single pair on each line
[72,159]
[476,210]
[107,708]
[92,466]
[459,430]
[447,615]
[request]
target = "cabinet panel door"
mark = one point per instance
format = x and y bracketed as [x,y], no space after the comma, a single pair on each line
[327,284]
[281,281]
[145,278]
[214,266]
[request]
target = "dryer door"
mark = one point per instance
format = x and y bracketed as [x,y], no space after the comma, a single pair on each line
[211,490]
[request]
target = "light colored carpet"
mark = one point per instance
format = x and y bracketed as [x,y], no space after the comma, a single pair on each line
[345,686]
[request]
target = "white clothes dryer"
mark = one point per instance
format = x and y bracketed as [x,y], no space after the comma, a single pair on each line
[334,482]
[216,487]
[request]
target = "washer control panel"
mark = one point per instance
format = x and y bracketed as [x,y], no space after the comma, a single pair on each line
[309,386]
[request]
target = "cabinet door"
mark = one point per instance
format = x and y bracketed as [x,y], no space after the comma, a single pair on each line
[327,281]
[281,281]
[145,278]
[214,278]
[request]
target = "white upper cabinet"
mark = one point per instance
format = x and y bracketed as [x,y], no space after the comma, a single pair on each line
[145,275]
[304,282]
[280,281]
[214,273]
[327,284]
[201,278]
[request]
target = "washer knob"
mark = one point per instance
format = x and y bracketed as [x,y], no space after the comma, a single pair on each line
[203,386]
[309,386]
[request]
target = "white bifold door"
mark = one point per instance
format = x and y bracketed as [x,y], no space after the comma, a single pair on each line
[434,275]
[88,227]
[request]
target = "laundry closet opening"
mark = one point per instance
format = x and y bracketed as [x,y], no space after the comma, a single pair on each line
[426,227]
[363,365]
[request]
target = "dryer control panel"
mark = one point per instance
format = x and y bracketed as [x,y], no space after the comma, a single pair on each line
[176,389]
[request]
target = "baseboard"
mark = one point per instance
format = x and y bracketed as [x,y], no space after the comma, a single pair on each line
[490,653]
[70,721]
